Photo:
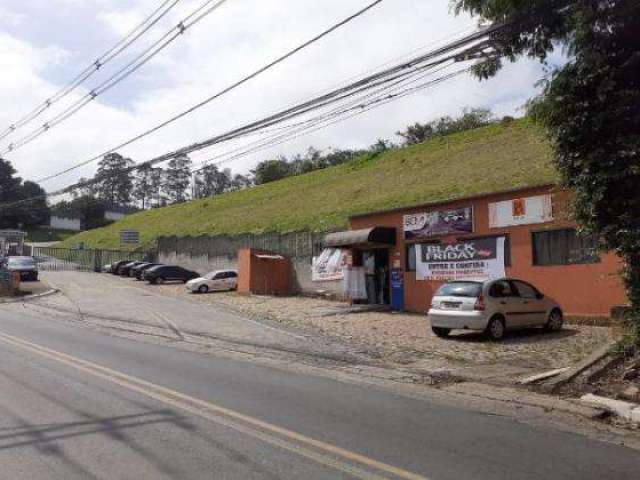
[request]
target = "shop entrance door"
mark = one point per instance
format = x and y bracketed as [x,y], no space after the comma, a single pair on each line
[376,268]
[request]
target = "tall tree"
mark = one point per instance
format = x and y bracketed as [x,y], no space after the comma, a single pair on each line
[114,181]
[177,179]
[590,108]
[210,180]
[144,185]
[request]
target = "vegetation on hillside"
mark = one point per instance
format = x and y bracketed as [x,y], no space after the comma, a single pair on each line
[496,157]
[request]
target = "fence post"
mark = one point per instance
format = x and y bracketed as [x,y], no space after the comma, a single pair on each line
[97,261]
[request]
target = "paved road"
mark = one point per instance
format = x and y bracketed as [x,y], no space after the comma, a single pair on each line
[75,403]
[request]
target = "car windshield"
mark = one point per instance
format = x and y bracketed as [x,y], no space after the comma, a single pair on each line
[22,262]
[459,289]
[211,276]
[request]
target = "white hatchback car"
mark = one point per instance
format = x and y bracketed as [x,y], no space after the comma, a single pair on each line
[492,306]
[216,280]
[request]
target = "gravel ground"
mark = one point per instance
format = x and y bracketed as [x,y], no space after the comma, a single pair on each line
[407,339]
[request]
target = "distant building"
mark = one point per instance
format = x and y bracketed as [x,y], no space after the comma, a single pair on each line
[65,223]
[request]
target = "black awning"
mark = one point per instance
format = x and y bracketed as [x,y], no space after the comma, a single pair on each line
[367,237]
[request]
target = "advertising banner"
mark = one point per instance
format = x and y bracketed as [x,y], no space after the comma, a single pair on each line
[520,211]
[330,265]
[471,259]
[439,222]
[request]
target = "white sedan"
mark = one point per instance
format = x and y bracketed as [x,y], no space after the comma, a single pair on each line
[217,280]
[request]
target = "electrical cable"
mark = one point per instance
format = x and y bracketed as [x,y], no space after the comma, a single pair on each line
[102,60]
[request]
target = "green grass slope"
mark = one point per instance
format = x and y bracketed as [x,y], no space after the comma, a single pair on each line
[498,157]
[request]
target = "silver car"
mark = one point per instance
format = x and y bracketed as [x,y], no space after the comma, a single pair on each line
[492,306]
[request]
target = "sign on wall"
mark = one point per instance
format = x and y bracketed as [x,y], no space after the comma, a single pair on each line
[471,259]
[520,211]
[330,265]
[129,237]
[439,222]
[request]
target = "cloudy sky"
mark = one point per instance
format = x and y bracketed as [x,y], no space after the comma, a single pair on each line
[44,43]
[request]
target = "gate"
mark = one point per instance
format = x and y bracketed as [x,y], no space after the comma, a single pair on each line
[56,259]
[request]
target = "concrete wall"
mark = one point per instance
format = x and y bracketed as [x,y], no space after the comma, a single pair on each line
[202,264]
[206,253]
[63,223]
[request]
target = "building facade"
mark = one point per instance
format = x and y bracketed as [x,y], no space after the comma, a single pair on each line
[401,250]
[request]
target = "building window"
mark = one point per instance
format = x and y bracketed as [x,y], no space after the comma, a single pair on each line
[563,247]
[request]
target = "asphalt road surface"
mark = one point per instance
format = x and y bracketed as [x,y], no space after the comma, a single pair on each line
[77,403]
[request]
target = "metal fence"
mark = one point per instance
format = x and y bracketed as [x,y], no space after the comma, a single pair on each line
[294,244]
[52,258]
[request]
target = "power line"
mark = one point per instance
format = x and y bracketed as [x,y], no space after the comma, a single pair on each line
[102,60]
[164,41]
[218,94]
[408,68]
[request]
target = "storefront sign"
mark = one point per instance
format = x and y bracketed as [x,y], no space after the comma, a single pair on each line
[472,259]
[440,222]
[330,265]
[520,211]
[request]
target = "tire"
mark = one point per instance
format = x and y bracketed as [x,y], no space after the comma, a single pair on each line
[203,289]
[495,329]
[555,321]
[159,281]
[441,332]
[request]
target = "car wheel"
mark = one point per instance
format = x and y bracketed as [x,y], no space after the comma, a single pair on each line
[203,289]
[441,332]
[159,281]
[555,321]
[495,328]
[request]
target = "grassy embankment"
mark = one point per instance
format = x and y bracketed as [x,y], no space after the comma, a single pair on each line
[493,158]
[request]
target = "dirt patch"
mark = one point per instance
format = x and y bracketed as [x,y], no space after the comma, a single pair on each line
[407,340]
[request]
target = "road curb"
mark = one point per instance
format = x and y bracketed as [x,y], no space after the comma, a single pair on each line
[518,396]
[627,410]
[27,298]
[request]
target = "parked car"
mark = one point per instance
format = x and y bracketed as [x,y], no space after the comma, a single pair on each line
[124,270]
[116,265]
[26,266]
[492,306]
[140,270]
[216,280]
[163,273]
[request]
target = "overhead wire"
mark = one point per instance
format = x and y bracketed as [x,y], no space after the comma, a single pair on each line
[141,59]
[160,12]
[217,95]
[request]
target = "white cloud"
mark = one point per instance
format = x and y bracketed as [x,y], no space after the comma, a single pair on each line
[237,39]
[10,18]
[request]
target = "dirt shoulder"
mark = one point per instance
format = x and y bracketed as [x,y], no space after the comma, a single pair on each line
[406,339]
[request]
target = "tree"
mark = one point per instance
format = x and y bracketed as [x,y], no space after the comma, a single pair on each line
[144,185]
[36,212]
[271,170]
[114,180]
[240,182]
[177,179]
[590,108]
[471,118]
[10,216]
